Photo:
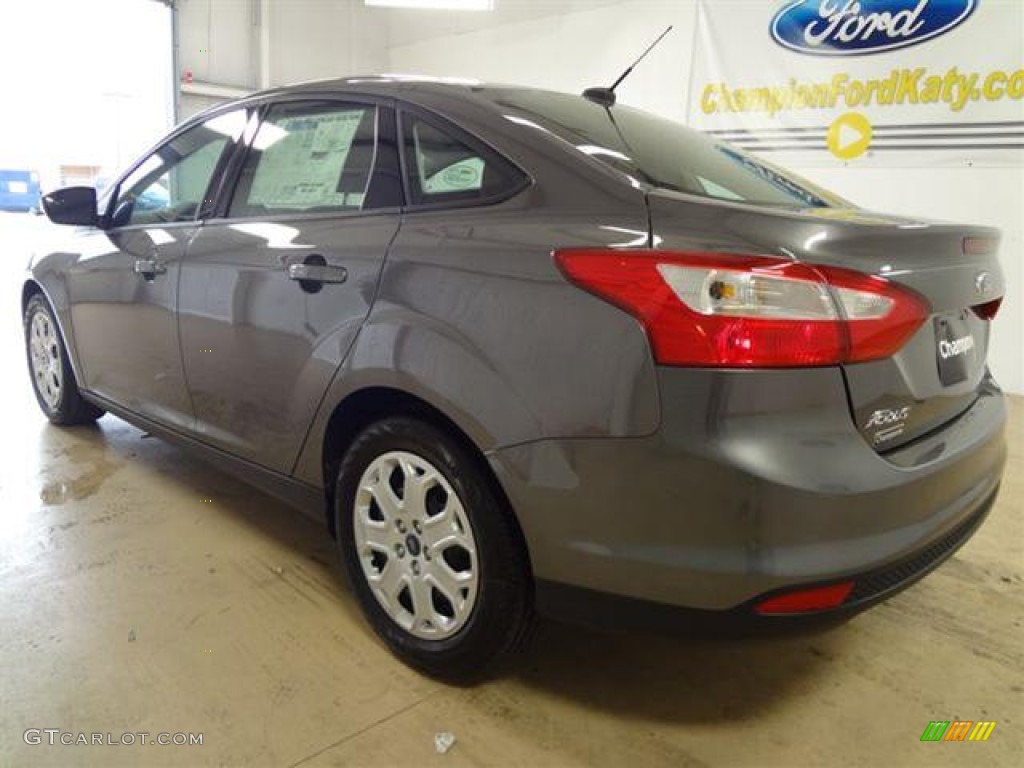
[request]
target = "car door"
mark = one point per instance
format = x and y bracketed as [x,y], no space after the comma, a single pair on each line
[274,291]
[123,288]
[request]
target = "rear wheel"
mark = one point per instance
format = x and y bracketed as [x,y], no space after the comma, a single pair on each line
[435,559]
[53,380]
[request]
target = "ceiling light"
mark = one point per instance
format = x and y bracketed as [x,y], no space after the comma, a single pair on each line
[447,5]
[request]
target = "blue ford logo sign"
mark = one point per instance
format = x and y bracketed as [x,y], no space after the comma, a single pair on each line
[852,27]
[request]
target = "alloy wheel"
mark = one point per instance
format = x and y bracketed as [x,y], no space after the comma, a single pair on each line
[44,349]
[416,546]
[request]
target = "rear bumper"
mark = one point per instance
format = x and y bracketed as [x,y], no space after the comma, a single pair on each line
[606,611]
[756,482]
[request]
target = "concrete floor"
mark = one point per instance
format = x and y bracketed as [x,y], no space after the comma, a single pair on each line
[143,591]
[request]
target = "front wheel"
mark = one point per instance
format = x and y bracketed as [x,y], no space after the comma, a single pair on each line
[435,558]
[53,379]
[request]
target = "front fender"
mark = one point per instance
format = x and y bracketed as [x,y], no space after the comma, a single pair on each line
[47,276]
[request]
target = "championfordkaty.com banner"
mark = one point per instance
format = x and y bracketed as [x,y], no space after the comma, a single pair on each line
[842,80]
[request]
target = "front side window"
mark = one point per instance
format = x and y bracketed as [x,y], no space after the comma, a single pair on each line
[172,183]
[443,168]
[308,158]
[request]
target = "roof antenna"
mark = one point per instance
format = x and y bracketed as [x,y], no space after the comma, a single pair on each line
[606,96]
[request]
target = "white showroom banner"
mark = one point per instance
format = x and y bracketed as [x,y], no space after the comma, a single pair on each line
[842,80]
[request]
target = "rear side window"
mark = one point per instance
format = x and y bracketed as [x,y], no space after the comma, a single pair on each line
[308,158]
[442,167]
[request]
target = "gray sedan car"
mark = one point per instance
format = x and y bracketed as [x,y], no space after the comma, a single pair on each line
[529,351]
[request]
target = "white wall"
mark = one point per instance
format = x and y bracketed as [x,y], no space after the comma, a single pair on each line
[220,43]
[558,45]
[572,45]
[313,39]
[217,41]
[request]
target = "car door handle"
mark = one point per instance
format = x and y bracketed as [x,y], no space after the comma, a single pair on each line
[317,273]
[149,268]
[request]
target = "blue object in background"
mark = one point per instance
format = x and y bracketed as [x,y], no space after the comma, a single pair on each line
[19,190]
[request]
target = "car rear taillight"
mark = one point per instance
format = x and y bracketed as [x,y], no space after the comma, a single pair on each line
[987,311]
[713,309]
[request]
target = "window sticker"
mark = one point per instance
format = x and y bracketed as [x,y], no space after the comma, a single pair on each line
[464,175]
[302,169]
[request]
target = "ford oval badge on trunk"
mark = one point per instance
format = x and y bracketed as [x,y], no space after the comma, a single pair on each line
[857,27]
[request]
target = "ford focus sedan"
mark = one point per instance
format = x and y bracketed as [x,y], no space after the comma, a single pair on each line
[527,351]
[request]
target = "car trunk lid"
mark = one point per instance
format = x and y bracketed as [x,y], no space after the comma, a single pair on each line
[937,373]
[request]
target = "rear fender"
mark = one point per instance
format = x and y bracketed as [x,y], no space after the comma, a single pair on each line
[433,365]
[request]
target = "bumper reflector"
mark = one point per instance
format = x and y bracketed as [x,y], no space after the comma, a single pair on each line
[806,600]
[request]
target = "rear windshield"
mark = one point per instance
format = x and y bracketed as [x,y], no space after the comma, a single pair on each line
[663,153]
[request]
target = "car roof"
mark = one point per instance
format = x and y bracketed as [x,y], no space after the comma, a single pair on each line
[393,85]
[416,89]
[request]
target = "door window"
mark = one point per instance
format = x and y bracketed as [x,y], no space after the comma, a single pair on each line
[308,158]
[442,167]
[172,183]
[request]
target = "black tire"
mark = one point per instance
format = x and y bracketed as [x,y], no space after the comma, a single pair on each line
[502,612]
[63,405]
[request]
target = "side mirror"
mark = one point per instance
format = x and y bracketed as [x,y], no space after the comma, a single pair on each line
[72,205]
